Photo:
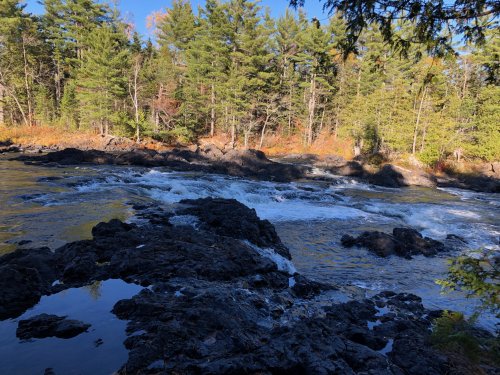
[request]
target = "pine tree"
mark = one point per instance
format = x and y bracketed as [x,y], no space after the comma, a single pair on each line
[250,73]
[318,69]
[101,79]
[69,108]
[21,54]
[177,29]
[288,29]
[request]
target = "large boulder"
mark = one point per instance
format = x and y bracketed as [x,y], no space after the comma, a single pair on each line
[70,156]
[396,176]
[25,275]
[210,151]
[228,217]
[349,169]
[403,242]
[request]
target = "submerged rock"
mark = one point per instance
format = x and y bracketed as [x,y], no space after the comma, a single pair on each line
[404,242]
[44,325]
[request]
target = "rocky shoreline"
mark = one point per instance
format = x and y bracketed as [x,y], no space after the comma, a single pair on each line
[221,296]
[255,164]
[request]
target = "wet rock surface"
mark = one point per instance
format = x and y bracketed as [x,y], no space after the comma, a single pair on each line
[403,242]
[216,301]
[44,325]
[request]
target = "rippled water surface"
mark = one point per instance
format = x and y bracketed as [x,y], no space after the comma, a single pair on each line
[51,206]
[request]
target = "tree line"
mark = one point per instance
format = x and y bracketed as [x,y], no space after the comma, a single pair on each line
[230,68]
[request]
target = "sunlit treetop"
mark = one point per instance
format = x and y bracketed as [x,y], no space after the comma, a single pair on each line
[437,23]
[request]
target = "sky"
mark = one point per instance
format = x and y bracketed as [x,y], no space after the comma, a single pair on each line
[137,10]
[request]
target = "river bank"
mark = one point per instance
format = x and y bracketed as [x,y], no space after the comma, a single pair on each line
[255,164]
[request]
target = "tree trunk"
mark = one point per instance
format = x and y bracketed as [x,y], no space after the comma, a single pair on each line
[290,110]
[2,115]
[424,133]
[212,111]
[466,76]
[263,132]
[19,106]
[57,83]
[312,109]
[134,95]
[322,117]
[337,106]
[247,135]
[27,85]
[233,131]
[419,114]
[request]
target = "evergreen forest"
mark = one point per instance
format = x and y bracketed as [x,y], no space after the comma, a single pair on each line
[231,69]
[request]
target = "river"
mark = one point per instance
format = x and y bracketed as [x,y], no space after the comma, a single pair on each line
[51,206]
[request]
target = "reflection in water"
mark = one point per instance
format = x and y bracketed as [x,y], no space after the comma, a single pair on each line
[99,351]
[95,289]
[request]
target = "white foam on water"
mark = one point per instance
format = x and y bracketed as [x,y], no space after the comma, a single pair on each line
[437,220]
[301,201]
[281,262]
[373,286]
[185,220]
[388,347]
[272,201]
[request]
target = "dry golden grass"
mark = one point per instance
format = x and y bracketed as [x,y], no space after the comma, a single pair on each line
[325,144]
[50,136]
[47,136]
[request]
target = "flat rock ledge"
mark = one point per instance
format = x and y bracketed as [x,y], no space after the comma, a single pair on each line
[221,296]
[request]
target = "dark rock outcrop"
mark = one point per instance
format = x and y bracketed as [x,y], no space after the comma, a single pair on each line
[218,302]
[25,276]
[486,184]
[404,242]
[232,219]
[8,146]
[342,168]
[44,325]
[208,159]
[254,164]
[395,176]
[184,332]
